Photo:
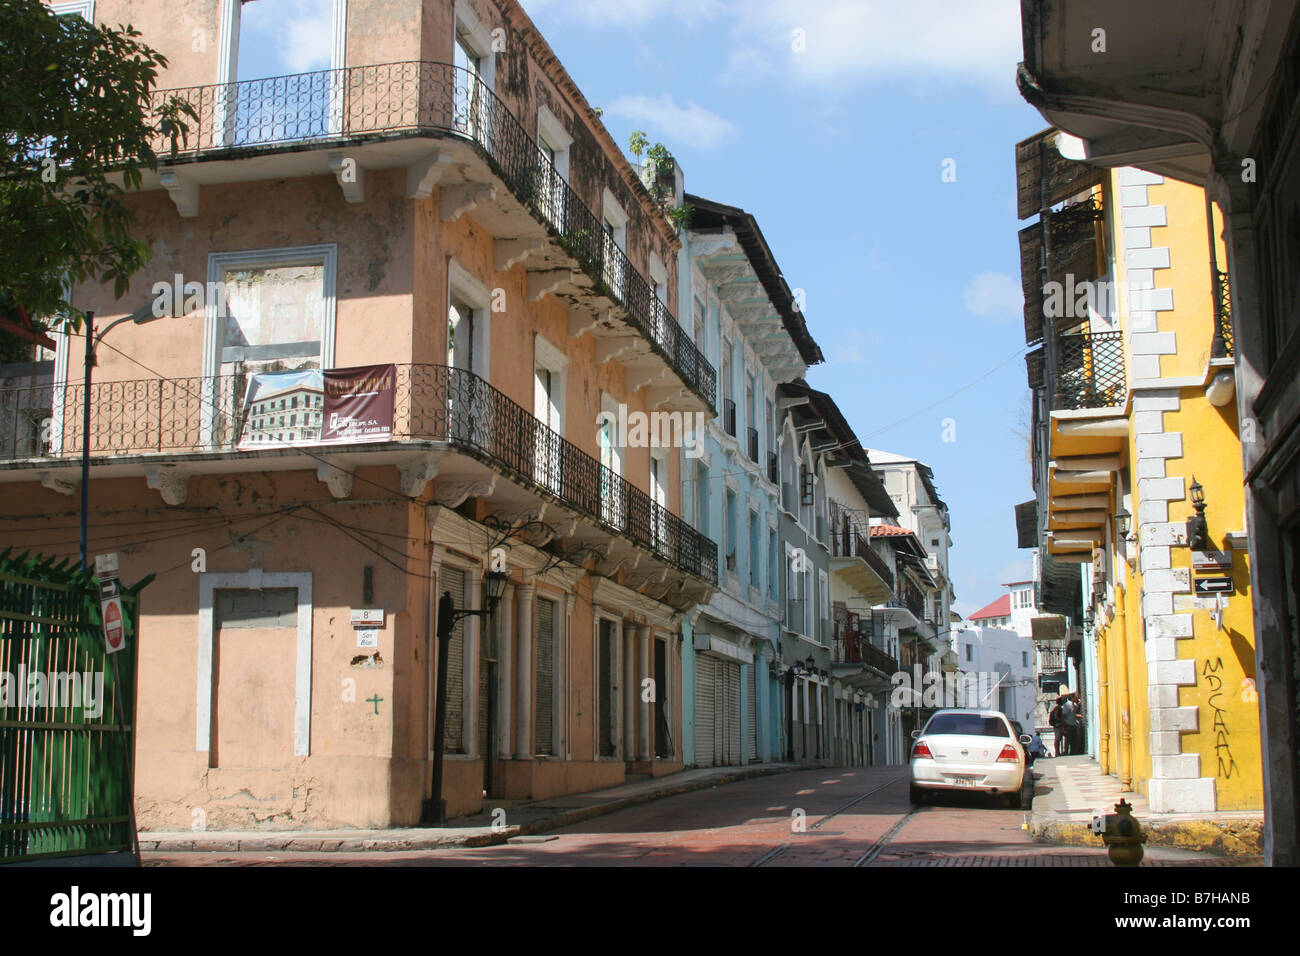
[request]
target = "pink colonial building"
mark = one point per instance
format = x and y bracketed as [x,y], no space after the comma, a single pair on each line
[437,270]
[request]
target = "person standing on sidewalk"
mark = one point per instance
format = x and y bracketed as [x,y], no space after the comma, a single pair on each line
[1056,719]
[1070,724]
[1075,730]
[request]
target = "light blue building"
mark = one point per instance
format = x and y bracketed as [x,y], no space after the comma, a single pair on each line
[748,323]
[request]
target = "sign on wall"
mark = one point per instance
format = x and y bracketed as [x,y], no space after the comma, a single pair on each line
[339,406]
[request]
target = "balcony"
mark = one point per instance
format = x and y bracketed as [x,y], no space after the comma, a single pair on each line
[145,424]
[380,107]
[1090,373]
[865,571]
[858,663]
[1222,344]
[751,444]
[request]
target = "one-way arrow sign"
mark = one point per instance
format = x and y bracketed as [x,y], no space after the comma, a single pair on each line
[1220,585]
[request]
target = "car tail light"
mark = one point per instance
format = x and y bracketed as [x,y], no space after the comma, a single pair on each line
[1009,753]
[922,749]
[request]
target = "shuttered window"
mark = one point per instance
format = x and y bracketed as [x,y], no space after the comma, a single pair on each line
[453,580]
[544,692]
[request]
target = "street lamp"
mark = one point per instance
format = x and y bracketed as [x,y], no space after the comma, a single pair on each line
[146,313]
[1122,519]
[434,811]
[1198,532]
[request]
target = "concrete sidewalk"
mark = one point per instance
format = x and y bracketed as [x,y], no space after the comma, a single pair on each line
[1068,791]
[519,821]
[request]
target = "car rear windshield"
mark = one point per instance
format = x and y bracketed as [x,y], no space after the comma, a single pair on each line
[968,725]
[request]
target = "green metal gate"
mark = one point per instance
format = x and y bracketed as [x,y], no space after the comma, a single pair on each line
[67,714]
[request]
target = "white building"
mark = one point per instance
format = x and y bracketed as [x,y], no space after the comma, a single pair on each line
[1005,665]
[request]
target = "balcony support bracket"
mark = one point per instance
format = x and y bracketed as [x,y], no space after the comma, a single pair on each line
[508,253]
[452,493]
[173,485]
[455,201]
[350,175]
[55,483]
[542,284]
[338,480]
[184,192]
[416,474]
[423,174]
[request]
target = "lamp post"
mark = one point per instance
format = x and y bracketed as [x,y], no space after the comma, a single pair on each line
[434,811]
[146,313]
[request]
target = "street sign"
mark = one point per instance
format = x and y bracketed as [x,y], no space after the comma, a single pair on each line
[106,565]
[1207,561]
[1219,585]
[367,617]
[114,631]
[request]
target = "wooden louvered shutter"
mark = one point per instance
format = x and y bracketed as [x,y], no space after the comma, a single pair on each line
[605,691]
[544,691]
[453,580]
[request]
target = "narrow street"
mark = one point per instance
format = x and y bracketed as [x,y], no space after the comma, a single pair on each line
[857,817]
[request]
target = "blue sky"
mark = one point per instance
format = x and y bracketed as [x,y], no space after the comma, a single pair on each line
[912,283]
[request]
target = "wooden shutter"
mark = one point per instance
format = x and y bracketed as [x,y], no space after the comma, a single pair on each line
[453,580]
[544,691]
[705,753]
[605,690]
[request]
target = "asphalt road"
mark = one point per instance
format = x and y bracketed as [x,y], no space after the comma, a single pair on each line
[825,818]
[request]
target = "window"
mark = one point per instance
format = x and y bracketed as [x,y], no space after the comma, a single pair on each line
[659,494]
[1024,658]
[614,223]
[823,607]
[702,497]
[732,532]
[773,576]
[612,489]
[700,338]
[475,74]
[553,140]
[969,653]
[544,696]
[549,365]
[754,566]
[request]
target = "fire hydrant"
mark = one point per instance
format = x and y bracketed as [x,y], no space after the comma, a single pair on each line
[1123,835]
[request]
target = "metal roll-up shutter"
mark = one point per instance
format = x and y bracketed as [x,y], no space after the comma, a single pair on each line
[705,752]
[731,677]
[751,712]
[544,692]
[453,580]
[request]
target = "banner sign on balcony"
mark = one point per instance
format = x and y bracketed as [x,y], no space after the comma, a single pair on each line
[339,406]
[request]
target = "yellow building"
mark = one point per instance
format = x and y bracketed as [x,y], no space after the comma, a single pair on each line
[1134,403]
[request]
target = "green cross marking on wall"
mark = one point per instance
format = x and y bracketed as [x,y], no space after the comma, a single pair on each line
[374,700]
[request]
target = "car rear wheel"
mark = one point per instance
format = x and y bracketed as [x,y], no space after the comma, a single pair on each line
[1016,801]
[917,795]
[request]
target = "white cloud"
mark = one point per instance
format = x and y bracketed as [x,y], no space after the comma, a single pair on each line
[994,295]
[846,41]
[689,125]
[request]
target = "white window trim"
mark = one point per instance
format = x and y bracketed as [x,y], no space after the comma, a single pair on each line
[547,356]
[559,706]
[552,132]
[83,8]
[254,579]
[467,287]
[220,262]
[228,59]
[480,38]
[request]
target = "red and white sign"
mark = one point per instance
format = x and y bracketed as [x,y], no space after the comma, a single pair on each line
[114,630]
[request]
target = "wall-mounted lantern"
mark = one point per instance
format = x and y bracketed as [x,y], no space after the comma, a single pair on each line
[1198,530]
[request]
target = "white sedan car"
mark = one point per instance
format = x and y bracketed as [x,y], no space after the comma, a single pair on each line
[968,750]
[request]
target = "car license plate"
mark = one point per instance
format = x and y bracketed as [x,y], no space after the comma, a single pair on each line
[964,781]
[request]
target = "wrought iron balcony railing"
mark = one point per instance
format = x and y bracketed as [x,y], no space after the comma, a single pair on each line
[1090,372]
[851,544]
[857,649]
[1222,345]
[432,403]
[416,98]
